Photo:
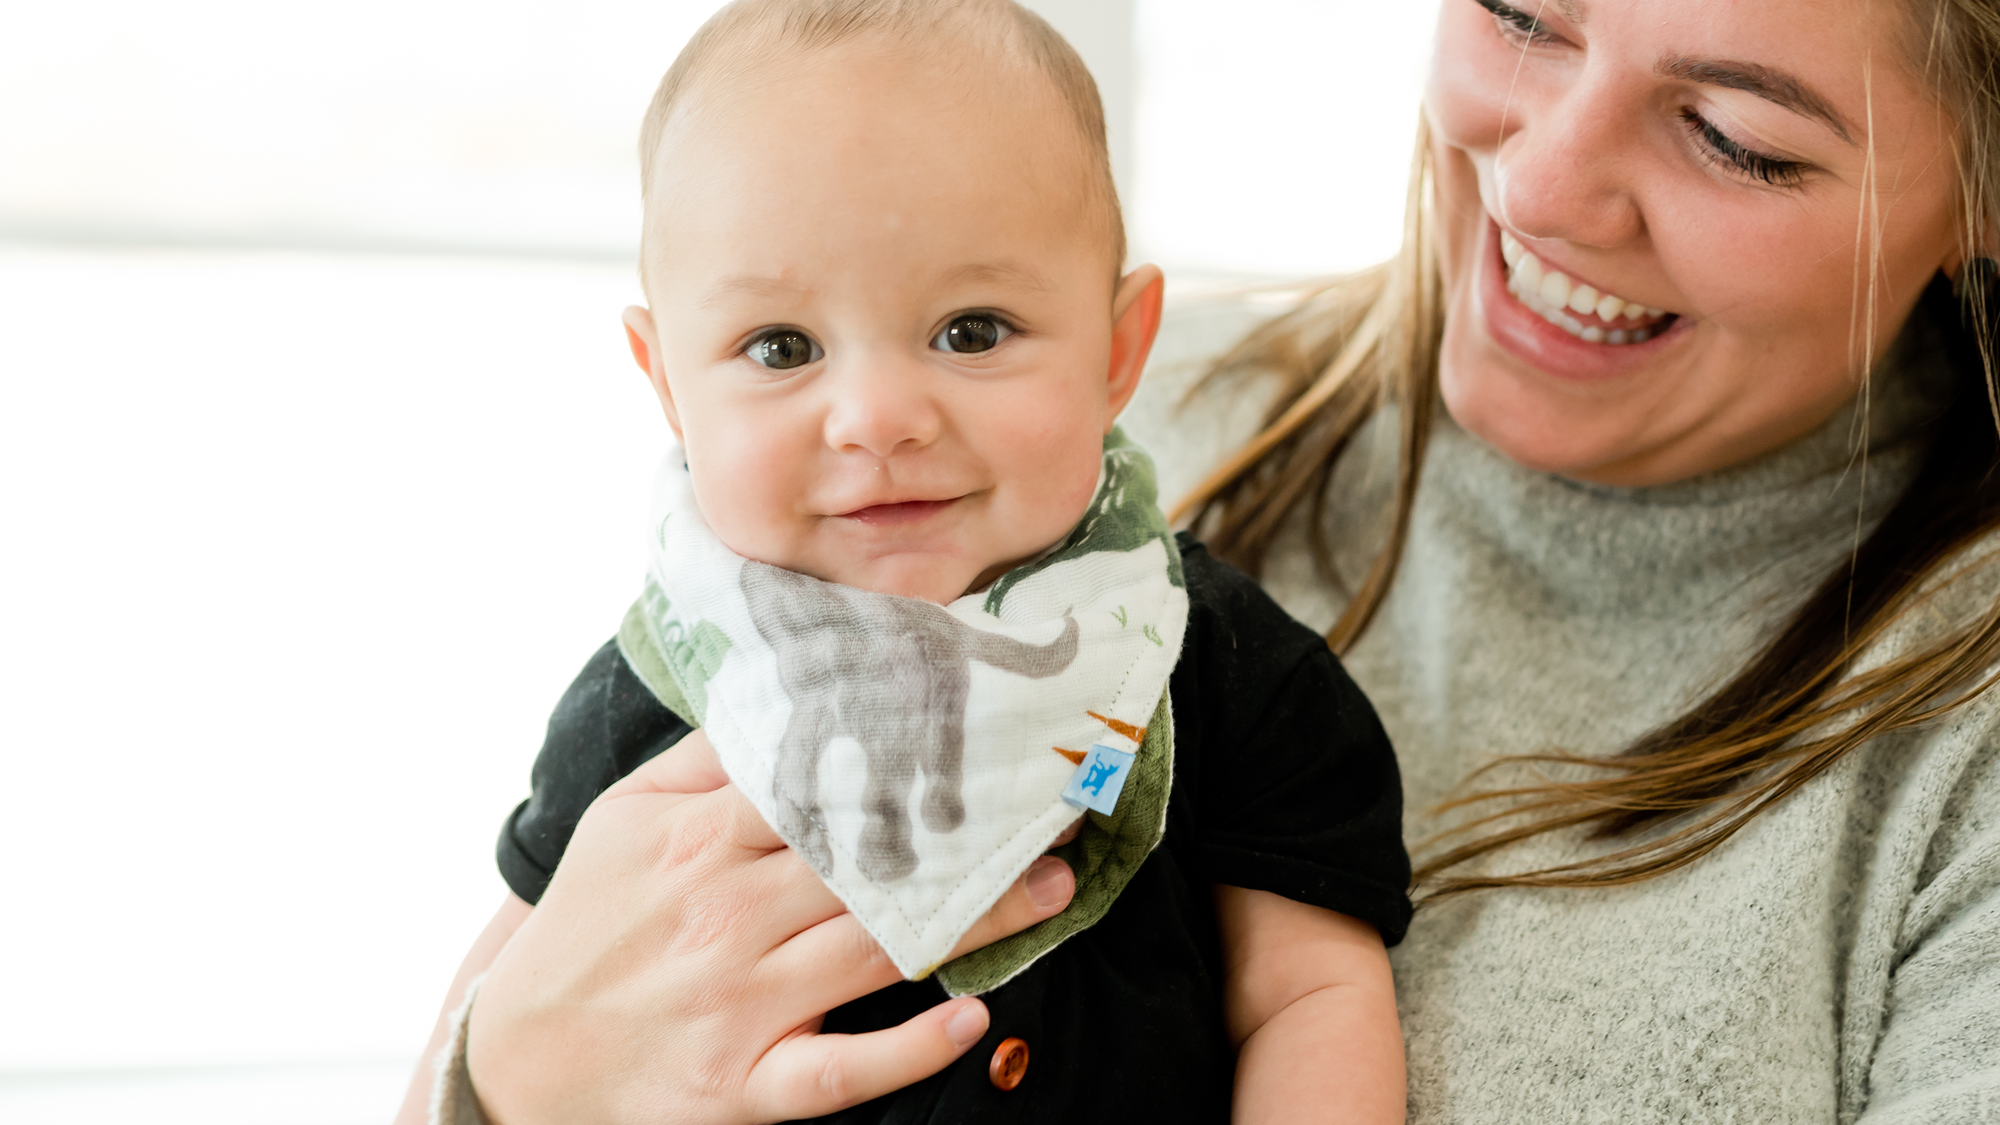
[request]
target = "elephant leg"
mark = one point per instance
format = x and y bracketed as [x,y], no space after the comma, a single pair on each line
[944,748]
[795,786]
[886,852]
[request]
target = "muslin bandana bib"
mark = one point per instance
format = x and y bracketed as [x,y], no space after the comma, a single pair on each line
[918,755]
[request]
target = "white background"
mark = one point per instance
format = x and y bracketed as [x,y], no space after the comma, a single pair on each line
[321,459]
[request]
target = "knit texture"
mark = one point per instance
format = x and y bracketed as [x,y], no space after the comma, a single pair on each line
[452,1099]
[1838,960]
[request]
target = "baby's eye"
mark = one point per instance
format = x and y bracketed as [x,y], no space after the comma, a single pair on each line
[784,349]
[971,332]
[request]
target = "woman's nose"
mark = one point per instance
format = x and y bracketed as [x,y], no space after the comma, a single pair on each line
[882,405]
[1565,168]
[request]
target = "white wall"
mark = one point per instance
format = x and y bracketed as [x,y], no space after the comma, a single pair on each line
[1274,136]
[300,552]
[449,124]
[494,124]
[1259,136]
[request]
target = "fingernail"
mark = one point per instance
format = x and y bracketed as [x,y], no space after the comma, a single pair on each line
[1050,883]
[966,1025]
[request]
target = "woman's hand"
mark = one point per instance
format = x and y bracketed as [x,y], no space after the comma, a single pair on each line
[680,963]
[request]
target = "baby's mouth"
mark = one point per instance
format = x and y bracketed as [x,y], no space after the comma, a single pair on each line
[893,515]
[1593,316]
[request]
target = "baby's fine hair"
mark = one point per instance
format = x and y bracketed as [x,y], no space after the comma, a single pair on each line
[988,30]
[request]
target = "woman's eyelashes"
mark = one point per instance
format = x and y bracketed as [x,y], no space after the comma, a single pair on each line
[1717,145]
[1517,24]
[782,349]
[1527,29]
[969,333]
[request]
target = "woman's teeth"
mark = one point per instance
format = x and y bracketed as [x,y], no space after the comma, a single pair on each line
[1563,303]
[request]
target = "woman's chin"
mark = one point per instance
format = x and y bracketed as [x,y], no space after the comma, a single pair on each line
[1548,437]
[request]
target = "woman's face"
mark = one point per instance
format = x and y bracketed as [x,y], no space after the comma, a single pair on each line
[1687,177]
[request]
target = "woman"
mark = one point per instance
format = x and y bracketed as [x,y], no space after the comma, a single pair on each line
[1702,523]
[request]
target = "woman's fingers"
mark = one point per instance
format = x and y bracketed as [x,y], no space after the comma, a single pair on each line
[688,766]
[827,965]
[794,898]
[835,960]
[812,1075]
[1042,891]
[683,825]
[741,823]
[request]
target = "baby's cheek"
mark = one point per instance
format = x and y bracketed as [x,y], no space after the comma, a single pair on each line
[738,497]
[1062,481]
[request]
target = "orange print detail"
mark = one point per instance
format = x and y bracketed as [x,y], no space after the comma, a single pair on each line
[1136,734]
[1075,756]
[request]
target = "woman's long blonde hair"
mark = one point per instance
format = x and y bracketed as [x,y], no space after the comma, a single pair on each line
[1796,707]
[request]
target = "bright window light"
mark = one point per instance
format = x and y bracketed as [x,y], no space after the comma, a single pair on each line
[1274,136]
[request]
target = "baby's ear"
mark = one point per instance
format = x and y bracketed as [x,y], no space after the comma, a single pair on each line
[644,340]
[1135,320]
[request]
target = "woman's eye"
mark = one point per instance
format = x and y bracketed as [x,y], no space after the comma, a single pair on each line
[784,349]
[1516,23]
[971,333]
[1747,161]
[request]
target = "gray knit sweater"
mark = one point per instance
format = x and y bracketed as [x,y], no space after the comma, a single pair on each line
[1839,960]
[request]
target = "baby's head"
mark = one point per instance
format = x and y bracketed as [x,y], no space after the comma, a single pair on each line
[882,255]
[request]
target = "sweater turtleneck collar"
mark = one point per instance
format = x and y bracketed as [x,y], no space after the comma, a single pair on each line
[1646,551]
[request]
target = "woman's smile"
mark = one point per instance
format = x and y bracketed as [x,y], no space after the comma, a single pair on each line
[1563,327]
[1595,316]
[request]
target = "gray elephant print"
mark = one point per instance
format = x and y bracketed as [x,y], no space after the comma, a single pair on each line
[892,674]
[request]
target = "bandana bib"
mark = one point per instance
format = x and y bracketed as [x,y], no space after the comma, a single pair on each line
[920,756]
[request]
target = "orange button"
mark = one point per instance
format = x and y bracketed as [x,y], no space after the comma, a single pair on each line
[1010,1063]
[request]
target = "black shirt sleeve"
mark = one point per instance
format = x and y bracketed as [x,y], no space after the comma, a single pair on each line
[1285,778]
[607,724]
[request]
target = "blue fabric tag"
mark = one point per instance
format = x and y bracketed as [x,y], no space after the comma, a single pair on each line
[1098,781]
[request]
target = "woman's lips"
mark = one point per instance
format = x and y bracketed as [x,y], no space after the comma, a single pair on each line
[1550,348]
[898,514]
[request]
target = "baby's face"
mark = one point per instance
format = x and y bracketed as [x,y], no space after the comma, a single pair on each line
[883,321]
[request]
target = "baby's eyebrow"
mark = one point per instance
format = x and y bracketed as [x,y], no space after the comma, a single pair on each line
[751,285]
[1002,273]
[998,273]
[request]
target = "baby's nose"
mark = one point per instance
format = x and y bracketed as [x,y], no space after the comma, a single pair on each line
[886,408]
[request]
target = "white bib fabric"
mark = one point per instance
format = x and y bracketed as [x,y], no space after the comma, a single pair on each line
[916,754]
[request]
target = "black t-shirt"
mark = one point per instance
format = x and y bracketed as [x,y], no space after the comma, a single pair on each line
[1283,781]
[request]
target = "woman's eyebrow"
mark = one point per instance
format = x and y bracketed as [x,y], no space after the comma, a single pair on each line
[1774,86]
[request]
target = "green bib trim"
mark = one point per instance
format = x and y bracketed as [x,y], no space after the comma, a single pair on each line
[1105,855]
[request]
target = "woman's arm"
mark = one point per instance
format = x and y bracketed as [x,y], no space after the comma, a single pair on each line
[507,919]
[679,965]
[1938,1058]
[1312,1010]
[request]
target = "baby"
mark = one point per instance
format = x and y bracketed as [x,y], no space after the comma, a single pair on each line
[915,589]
